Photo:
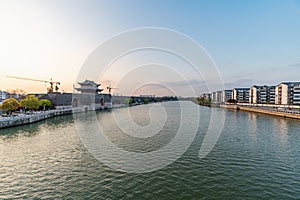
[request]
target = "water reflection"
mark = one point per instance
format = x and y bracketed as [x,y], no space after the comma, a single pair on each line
[30,130]
[26,130]
[281,126]
[253,124]
[281,129]
[47,160]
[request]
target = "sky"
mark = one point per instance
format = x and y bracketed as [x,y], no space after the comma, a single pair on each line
[250,42]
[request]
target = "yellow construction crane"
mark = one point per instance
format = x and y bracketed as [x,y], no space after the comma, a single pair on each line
[110,88]
[51,82]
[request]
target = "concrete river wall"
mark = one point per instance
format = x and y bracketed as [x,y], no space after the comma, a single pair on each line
[29,118]
[265,110]
[270,112]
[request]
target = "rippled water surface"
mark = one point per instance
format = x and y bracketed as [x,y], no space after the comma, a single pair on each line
[256,157]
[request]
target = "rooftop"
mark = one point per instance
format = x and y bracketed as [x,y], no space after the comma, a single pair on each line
[290,83]
[88,82]
[241,88]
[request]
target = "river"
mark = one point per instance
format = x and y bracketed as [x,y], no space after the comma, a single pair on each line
[255,157]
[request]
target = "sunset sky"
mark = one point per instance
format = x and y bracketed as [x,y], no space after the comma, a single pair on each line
[251,42]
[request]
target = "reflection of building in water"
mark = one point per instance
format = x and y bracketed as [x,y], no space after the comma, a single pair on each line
[252,123]
[281,128]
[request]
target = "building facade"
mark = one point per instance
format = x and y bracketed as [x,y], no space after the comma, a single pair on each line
[217,97]
[241,95]
[207,96]
[226,95]
[296,94]
[262,94]
[89,87]
[3,95]
[288,93]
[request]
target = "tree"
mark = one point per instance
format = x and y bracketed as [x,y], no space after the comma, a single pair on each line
[204,101]
[16,93]
[128,101]
[146,101]
[30,102]
[10,105]
[45,103]
[231,101]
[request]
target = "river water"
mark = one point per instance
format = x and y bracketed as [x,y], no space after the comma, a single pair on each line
[255,157]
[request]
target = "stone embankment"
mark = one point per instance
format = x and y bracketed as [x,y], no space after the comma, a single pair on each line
[286,114]
[280,112]
[230,106]
[29,118]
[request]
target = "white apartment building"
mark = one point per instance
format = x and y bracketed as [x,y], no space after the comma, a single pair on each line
[3,95]
[241,95]
[226,95]
[287,93]
[206,95]
[217,97]
[262,94]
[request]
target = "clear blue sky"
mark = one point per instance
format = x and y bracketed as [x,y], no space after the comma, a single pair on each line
[252,42]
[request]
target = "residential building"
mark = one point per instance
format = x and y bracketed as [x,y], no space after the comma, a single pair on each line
[262,94]
[206,95]
[296,94]
[217,97]
[3,95]
[241,95]
[288,93]
[226,95]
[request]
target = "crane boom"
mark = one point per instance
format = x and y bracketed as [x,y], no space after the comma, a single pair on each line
[38,80]
[31,79]
[110,88]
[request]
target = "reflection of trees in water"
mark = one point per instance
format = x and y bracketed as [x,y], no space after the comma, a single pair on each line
[26,130]
[30,130]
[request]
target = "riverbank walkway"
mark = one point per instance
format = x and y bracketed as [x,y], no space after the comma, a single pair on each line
[275,110]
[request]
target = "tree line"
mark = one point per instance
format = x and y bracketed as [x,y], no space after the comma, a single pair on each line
[29,103]
[202,101]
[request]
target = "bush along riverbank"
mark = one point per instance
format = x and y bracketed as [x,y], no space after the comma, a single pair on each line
[202,101]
